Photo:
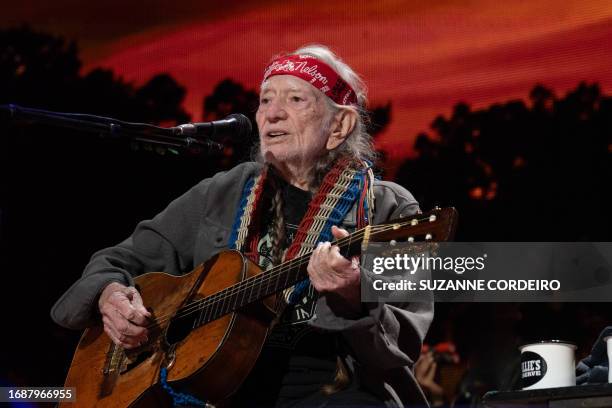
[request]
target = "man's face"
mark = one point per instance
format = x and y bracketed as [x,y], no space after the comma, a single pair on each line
[291,120]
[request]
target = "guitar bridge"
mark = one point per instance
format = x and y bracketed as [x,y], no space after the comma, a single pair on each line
[114,359]
[112,366]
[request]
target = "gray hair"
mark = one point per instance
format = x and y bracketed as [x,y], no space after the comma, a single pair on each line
[358,144]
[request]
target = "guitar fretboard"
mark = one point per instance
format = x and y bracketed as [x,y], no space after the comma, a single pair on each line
[265,284]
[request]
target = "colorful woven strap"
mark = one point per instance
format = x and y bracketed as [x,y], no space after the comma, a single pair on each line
[341,188]
[245,231]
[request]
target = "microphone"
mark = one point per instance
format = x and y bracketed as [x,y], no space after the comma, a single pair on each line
[235,125]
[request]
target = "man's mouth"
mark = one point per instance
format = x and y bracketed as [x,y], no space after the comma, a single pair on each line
[276,133]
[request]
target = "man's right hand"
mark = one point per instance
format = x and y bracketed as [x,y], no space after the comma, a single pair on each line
[124,315]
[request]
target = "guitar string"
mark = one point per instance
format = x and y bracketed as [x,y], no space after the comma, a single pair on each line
[264,278]
[379,229]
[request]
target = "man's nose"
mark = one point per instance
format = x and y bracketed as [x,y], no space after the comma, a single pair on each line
[276,111]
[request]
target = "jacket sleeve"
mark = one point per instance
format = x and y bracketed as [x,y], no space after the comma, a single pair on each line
[385,335]
[162,244]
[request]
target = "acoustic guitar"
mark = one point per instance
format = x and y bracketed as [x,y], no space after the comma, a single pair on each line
[208,326]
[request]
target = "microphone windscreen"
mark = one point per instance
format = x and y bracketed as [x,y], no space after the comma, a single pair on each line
[243,126]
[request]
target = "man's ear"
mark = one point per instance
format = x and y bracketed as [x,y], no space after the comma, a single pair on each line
[343,124]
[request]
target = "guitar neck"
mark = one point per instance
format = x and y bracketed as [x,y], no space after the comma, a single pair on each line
[436,225]
[272,281]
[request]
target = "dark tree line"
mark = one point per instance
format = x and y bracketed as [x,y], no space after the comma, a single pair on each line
[521,171]
[64,194]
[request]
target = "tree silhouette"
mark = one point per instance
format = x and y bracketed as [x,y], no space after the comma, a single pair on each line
[378,118]
[514,171]
[36,68]
[42,70]
[230,97]
[163,97]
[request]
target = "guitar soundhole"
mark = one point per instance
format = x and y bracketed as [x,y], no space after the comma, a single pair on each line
[180,326]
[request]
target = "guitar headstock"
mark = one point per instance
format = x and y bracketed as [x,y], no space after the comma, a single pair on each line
[436,225]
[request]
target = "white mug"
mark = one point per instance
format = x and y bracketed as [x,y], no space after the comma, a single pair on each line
[548,364]
[608,340]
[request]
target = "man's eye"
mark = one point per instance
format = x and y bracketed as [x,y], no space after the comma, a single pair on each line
[264,101]
[296,99]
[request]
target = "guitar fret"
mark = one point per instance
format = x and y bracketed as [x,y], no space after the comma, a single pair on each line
[275,280]
[198,321]
[239,295]
[286,280]
[250,294]
[235,296]
[231,300]
[214,310]
[224,305]
[206,314]
[227,302]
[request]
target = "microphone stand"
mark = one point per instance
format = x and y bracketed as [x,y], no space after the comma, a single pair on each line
[141,132]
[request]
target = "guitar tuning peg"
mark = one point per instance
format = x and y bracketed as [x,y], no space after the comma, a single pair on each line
[428,237]
[414,221]
[393,242]
[432,218]
[410,239]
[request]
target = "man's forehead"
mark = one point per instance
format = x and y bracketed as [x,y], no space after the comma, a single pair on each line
[286,83]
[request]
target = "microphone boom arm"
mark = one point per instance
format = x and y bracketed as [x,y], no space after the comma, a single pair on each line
[141,132]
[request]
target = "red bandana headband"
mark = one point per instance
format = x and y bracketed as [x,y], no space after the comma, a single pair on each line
[315,72]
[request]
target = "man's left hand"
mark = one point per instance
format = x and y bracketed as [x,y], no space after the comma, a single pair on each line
[330,272]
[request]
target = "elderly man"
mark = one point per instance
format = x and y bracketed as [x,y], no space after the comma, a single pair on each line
[311,183]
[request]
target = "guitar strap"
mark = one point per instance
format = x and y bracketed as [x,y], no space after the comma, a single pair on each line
[342,187]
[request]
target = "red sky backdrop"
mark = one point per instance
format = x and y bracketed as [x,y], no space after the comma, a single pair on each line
[423,56]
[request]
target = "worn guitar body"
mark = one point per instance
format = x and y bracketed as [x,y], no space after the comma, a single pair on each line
[208,327]
[213,359]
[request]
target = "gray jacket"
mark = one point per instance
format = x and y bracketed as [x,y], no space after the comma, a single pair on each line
[383,344]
